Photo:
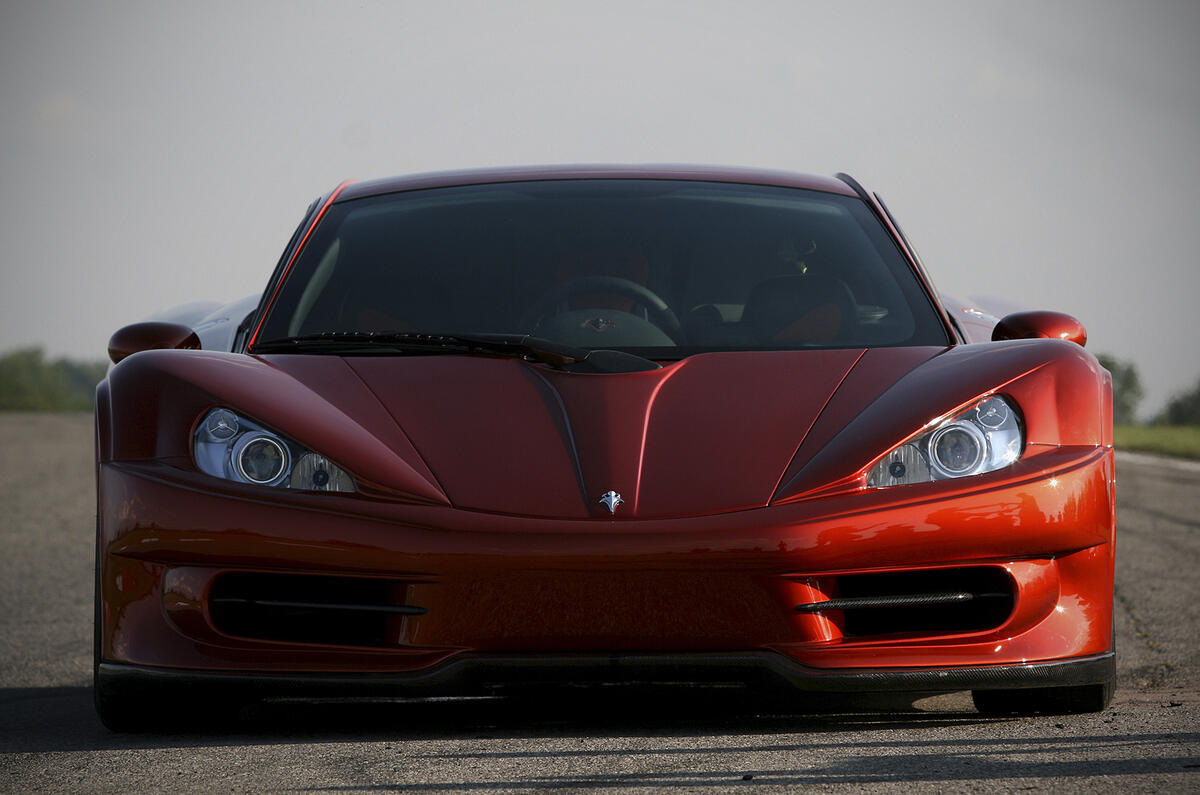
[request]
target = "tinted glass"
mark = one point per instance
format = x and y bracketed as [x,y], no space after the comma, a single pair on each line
[662,268]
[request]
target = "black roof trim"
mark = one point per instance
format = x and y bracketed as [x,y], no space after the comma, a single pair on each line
[854,185]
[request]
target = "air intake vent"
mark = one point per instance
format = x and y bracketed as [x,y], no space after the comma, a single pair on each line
[346,611]
[971,599]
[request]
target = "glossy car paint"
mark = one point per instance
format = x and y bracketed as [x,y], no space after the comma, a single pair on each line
[480,482]
[1040,325]
[151,335]
[518,531]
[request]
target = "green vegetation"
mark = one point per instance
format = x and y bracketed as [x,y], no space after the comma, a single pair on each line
[30,382]
[1176,431]
[1183,409]
[1173,440]
[1127,388]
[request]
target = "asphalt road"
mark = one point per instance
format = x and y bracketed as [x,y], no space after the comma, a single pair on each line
[50,739]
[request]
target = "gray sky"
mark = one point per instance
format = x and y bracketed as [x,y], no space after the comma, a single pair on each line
[155,153]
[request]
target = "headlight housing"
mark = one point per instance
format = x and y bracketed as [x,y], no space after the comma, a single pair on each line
[229,446]
[985,437]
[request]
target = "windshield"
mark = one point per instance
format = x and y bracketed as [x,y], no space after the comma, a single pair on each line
[659,268]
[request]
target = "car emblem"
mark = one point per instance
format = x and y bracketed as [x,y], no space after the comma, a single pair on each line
[598,324]
[611,500]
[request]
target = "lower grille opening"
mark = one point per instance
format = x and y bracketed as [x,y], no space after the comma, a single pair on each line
[347,611]
[969,599]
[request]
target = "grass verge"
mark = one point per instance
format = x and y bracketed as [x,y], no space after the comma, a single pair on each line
[1179,441]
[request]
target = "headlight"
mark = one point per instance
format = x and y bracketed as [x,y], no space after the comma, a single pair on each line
[232,447]
[985,437]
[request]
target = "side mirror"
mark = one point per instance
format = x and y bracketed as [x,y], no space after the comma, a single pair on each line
[149,336]
[1040,325]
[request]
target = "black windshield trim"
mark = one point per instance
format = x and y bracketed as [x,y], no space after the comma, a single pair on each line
[548,352]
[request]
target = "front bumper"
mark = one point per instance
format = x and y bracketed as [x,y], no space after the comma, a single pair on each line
[515,594]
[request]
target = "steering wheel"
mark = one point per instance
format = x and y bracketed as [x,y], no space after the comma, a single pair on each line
[657,311]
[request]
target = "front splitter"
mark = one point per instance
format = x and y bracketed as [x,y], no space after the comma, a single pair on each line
[497,674]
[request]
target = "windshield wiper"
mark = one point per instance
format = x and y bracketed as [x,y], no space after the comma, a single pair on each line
[554,354]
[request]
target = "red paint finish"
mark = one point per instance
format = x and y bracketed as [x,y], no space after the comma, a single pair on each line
[482,475]
[494,583]
[479,478]
[1056,384]
[568,438]
[742,433]
[874,373]
[157,400]
[149,336]
[433,428]
[1040,325]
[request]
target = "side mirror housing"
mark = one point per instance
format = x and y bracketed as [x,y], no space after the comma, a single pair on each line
[1040,325]
[149,336]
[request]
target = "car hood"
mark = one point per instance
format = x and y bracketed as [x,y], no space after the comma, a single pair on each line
[712,433]
[708,434]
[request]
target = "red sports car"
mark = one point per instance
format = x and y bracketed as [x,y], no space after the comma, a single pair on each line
[593,425]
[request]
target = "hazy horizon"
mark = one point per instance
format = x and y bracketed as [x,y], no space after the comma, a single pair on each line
[162,153]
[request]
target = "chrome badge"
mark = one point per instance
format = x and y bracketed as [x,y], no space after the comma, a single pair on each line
[611,500]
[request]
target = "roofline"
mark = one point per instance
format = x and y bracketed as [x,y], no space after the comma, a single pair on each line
[875,202]
[696,173]
[282,272]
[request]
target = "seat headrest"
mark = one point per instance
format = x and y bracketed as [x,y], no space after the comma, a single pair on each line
[384,301]
[807,308]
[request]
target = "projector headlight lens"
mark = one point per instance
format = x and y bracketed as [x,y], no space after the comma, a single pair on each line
[229,446]
[982,438]
[261,458]
[957,449]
